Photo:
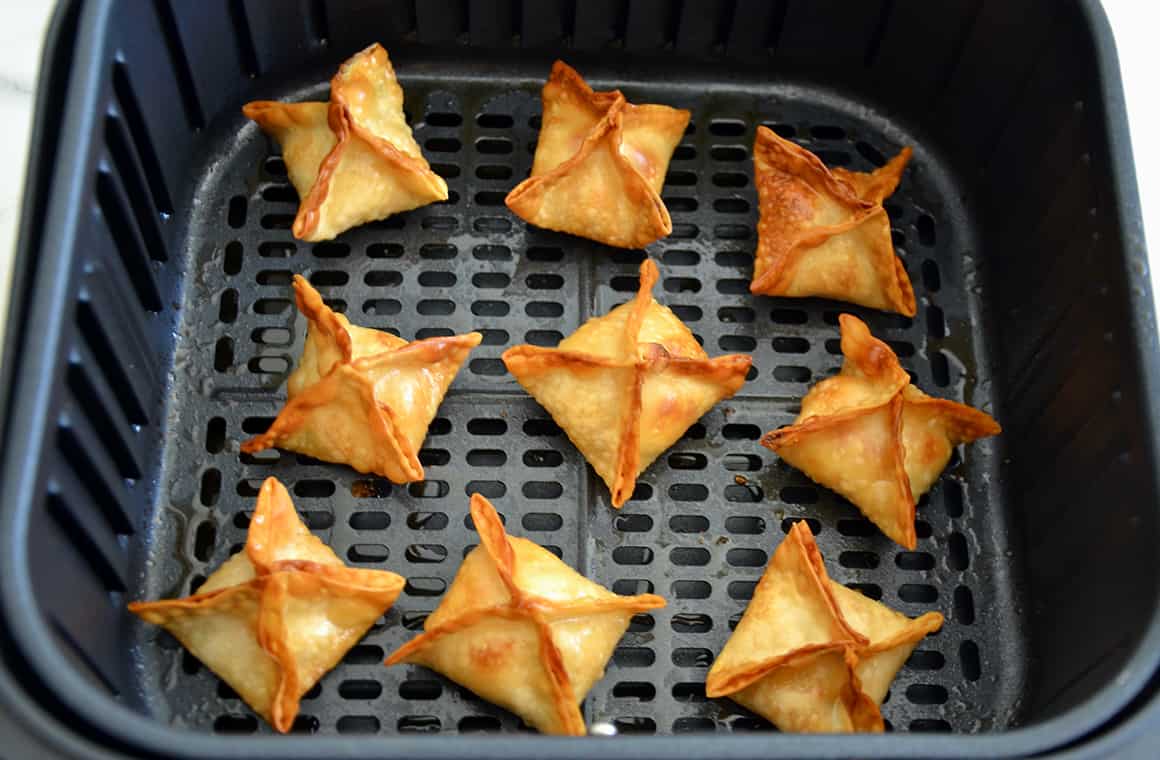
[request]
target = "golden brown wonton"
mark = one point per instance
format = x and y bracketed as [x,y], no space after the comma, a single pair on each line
[825,233]
[870,435]
[353,160]
[627,385]
[600,163]
[809,654]
[362,397]
[277,616]
[522,629]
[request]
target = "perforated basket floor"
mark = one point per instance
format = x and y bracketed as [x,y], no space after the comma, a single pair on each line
[704,518]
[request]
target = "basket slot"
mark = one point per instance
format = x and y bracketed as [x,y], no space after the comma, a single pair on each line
[130,110]
[276,34]
[599,23]
[115,336]
[151,69]
[354,24]
[131,172]
[116,442]
[922,45]
[705,26]
[89,621]
[985,89]
[68,501]
[197,30]
[491,24]
[545,23]
[651,25]
[847,31]
[80,444]
[195,109]
[126,238]
[91,389]
[755,27]
[1054,125]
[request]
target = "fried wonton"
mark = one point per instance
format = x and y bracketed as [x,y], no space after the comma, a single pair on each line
[277,616]
[522,629]
[870,435]
[825,233]
[809,654]
[878,185]
[627,385]
[362,397]
[600,163]
[353,160]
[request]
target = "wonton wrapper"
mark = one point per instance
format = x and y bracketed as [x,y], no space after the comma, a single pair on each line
[600,164]
[825,233]
[878,185]
[279,615]
[627,385]
[360,396]
[809,654]
[870,435]
[522,629]
[353,161]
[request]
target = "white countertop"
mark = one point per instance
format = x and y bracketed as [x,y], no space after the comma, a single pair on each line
[23,23]
[22,28]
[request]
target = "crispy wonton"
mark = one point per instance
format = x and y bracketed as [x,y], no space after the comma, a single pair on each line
[277,616]
[600,163]
[825,233]
[362,397]
[522,629]
[627,385]
[353,160]
[809,654]
[870,435]
[878,185]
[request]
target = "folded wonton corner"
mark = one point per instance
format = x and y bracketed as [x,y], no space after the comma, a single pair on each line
[353,160]
[600,164]
[523,630]
[825,233]
[360,396]
[277,616]
[870,435]
[627,385]
[809,654]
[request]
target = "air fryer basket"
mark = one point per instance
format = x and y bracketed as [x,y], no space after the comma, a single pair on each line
[162,298]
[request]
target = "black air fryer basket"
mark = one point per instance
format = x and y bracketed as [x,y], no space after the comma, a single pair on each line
[152,329]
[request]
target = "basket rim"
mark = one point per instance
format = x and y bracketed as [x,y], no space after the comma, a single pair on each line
[127,729]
